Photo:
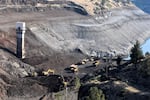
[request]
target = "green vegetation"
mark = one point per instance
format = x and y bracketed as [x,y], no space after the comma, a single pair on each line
[136,53]
[144,68]
[147,54]
[103,2]
[94,94]
[77,83]
[119,59]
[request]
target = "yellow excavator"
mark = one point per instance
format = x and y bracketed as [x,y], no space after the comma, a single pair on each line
[48,72]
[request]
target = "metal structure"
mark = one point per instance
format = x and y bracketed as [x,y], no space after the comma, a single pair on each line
[20,31]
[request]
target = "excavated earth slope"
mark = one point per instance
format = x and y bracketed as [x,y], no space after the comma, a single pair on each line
[54,35]
[92,35]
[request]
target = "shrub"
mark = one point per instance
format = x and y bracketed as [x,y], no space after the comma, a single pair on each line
[94,94]
[119,59]
[147,54]
[77,83]
[144,68]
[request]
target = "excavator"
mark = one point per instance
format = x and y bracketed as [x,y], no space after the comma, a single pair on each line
[48,72]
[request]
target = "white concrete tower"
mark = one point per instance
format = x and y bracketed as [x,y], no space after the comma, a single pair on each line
[20,31]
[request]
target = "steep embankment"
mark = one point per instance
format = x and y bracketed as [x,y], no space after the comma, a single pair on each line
[93,35]
[114,30]
[53,33]
[11,69]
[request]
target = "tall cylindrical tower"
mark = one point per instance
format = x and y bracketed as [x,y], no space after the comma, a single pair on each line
[20,31]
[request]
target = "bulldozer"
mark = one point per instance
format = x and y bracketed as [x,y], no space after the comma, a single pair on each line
[74,68]
[48,72]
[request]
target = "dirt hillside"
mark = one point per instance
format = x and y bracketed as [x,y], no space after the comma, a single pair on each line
[58,36]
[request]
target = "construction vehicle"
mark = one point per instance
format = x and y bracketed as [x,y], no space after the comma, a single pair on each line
[48,72]
[96,63]
[84,61]
[74,68]
[93,58]
[34,74]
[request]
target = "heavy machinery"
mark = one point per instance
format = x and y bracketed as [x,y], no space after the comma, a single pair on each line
[96,63]
[84,61]
[48,72]
[74,68]
[93,58]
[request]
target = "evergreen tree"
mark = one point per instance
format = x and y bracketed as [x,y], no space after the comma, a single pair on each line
[77,83]
[147,54]
[145,68]
[94,94]
[119,59]
[136,53]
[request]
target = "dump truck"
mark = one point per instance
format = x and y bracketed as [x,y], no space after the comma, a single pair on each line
[48,72]
[73,68]
[84,61]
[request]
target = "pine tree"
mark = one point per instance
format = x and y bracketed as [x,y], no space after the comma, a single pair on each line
[145,68]
[77,83]
[94,94]
[119,59]
[147,54]
[136,53]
